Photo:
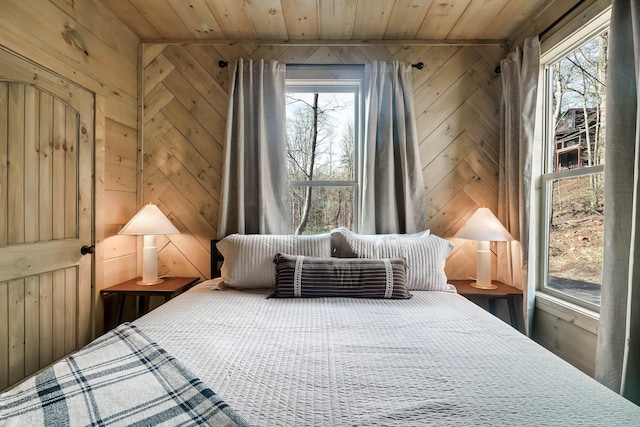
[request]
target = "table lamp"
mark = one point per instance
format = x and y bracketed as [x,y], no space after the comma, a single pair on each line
[148,222]
[484,227]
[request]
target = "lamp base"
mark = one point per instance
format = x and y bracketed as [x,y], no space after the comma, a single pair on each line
[141,282]
[489,286]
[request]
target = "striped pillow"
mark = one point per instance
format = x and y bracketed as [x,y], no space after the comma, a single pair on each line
[425,254]
[300,276]
[248,258]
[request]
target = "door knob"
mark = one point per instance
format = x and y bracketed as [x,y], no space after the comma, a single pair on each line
[87,249]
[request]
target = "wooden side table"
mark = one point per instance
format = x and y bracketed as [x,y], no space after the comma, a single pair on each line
[171,287]
[503,291]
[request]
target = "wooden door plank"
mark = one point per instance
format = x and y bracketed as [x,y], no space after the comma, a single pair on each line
[46,318]
[31,163]
[70,309]
[32,324]
[4,146]
[15,169]
[46,166]
[58,168]
[16,330]
[4,335]
[58,318]
[70,152]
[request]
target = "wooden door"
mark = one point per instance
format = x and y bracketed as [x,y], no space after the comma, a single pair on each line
[46,193]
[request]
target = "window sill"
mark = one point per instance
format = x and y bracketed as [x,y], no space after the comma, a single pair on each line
[569,312]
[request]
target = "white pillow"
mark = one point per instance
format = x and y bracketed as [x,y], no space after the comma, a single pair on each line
[344,242]
[248,258]
[424,252]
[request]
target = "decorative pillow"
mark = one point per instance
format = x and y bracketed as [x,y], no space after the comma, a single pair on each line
[343,240]
[248,258]
[299,276]
[425,255]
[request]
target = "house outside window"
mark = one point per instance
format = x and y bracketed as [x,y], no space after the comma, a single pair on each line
[324,108]
[572,182]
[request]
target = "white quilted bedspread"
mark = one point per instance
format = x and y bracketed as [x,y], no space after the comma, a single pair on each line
[435,359]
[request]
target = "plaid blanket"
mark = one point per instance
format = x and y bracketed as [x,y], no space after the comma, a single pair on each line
[121,378]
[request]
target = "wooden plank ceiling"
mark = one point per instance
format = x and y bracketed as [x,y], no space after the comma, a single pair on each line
[326,19]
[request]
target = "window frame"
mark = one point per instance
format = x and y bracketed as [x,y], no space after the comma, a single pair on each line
[334,79]
[550,56]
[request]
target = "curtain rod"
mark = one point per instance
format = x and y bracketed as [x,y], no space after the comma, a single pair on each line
[418,65]
[553,25]
[557,21]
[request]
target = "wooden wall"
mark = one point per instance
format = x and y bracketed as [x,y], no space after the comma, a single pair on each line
[83,43]
[456,96]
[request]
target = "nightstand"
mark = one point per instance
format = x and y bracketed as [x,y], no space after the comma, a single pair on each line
[509,293]
[168,289]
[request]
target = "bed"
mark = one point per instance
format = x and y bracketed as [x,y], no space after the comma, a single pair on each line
[430,358]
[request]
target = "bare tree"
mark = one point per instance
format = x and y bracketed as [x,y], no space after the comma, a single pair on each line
[310,140]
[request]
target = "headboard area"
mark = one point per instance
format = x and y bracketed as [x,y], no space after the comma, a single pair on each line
[216,260]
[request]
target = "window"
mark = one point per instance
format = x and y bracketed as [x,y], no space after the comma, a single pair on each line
[572,182]
[323,134]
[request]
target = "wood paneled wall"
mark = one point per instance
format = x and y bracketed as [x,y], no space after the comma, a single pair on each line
[456,96]
[85,44]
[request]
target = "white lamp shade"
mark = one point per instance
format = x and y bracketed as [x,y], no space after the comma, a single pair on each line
[149,220]
[483,225]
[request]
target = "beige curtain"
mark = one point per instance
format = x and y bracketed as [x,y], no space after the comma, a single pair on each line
[618,350]
[520,75]
[391,176]
[255,190]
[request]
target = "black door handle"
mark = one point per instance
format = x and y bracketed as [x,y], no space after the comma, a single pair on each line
[87,249]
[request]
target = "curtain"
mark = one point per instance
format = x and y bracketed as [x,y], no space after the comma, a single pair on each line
[392,199]
[618,349]
[520,77]
[255,190]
